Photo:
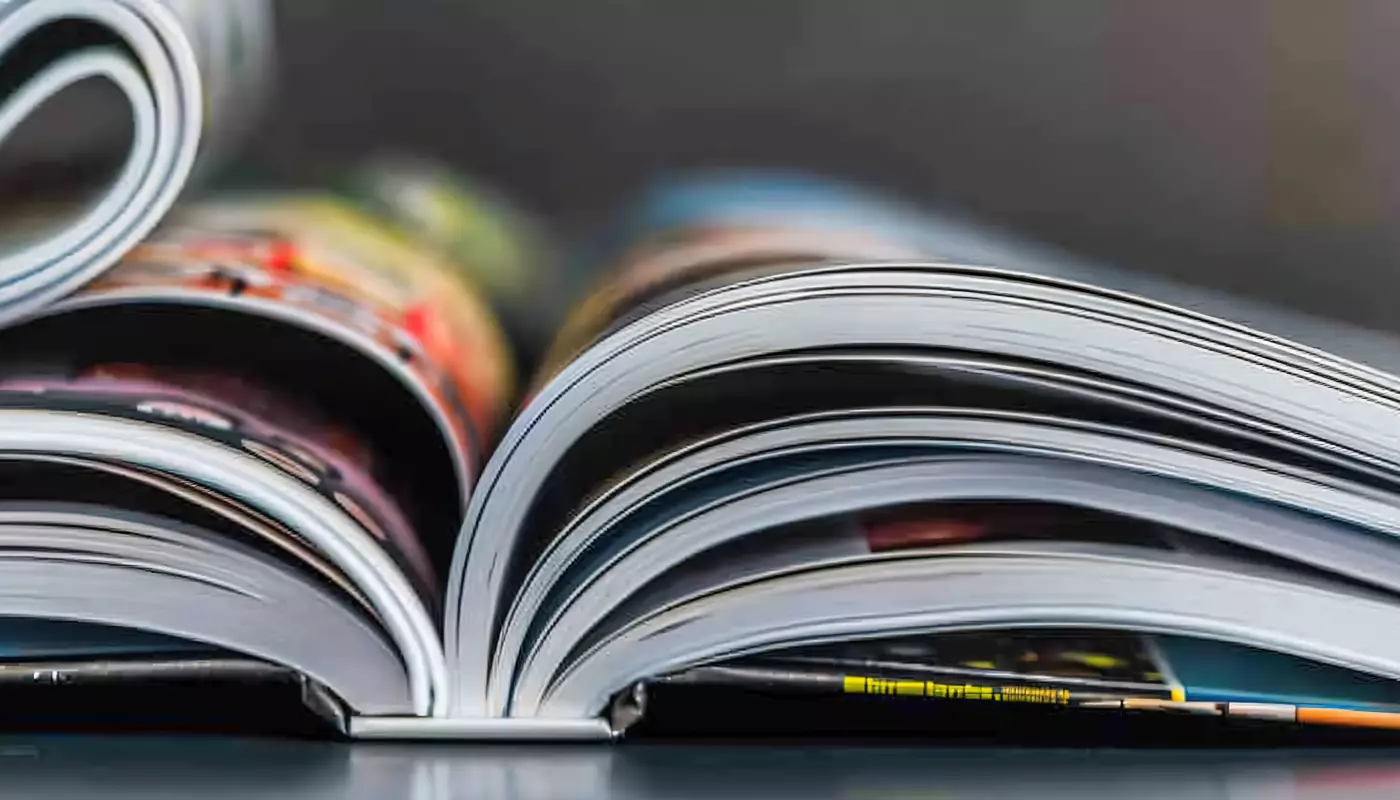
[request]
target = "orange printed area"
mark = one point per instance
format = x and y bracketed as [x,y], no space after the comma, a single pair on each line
[1349,718]
[325,260]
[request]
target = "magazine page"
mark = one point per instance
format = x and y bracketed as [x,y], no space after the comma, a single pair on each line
[717,276]
[103,489]
[231,500]
[374,306]
[251,419]
[343,339]
[738,484]
[1091,669]
[1049,583]
[687,237]
[657,580]
[711,229]
[157,576]
[317,261]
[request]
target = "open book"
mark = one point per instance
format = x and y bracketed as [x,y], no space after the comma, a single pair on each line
[791,418]
[798,438]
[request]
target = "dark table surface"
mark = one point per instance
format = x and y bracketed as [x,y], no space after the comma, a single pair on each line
[195,767]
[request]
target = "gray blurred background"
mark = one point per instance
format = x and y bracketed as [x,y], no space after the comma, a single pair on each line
[1252,145]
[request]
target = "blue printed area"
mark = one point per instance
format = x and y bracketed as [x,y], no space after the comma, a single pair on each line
[763,198]
[759,198]
[1217,672]
[27,639]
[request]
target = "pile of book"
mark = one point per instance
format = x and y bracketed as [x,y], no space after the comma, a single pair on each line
[798,438]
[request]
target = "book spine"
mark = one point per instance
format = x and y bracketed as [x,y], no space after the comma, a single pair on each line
[480,729]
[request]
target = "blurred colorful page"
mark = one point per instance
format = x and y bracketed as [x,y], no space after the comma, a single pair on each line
[691,234]
[316,260]
[495,245]
[252,419]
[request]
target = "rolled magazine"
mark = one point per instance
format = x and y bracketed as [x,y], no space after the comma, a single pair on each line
[103,108]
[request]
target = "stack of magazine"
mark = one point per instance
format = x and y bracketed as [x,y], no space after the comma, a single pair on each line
[798,438]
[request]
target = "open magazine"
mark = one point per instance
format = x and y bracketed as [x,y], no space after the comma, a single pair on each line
[799,438]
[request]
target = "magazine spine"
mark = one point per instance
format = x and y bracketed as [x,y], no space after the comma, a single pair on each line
[480,729]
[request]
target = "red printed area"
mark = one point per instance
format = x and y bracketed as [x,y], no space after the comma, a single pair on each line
[941,524]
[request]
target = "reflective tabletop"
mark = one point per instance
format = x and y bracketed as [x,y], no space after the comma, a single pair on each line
[210,767]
